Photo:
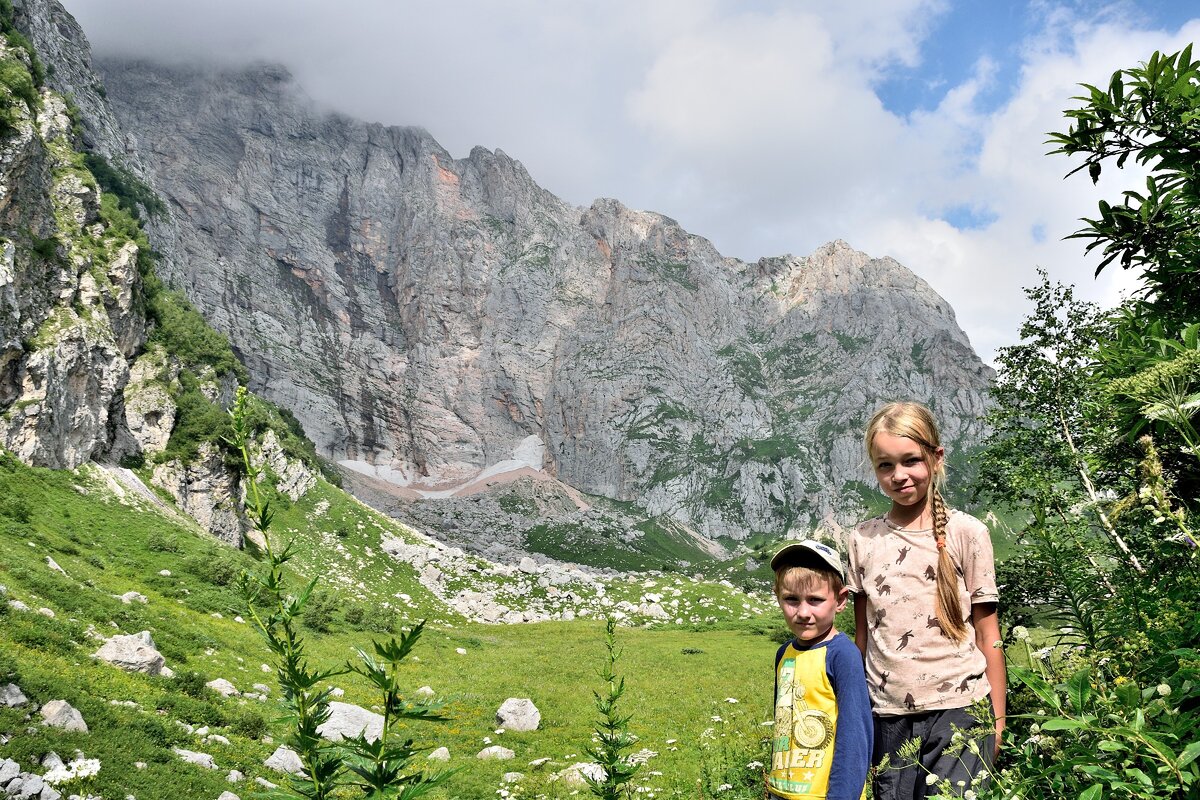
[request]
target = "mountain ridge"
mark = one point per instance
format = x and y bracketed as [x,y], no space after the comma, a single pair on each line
[428,314]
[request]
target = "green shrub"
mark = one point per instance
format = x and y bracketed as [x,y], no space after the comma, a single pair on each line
[320,611]
[191,683]
[156,732]
[214,567]
[130,192]
[160,541]
[184,334]
[249,723]
[194,711]
[15,508]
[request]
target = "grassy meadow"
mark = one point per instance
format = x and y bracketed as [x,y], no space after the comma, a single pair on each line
[698,693]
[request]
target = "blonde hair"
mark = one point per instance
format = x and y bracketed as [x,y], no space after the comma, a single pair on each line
[915,421]
[806,577]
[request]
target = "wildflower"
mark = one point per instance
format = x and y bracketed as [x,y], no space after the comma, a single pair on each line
[1163,690]
[1020,633]
[77,769]
[932,778]
[969,794]
[755,765]
[724,787]
[1120,680]
[1043,654]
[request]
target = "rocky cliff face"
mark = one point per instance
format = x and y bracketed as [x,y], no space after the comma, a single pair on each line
[77,382]
[428,318]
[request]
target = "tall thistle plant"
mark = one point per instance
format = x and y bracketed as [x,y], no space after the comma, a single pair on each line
[379,767]
[612,740]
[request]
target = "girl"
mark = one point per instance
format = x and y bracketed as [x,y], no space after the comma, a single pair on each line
[925,614]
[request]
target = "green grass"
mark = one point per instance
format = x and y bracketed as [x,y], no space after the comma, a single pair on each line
[678,677]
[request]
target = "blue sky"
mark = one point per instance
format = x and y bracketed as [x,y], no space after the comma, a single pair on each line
[964,33]
[909,128]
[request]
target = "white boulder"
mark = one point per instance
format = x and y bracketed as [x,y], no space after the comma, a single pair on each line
[60,714]
[347,721]
[284,759]
[133,653]
[518,714]
[495,752]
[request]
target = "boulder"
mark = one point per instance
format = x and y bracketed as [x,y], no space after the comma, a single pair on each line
[133,653]
[60,714]
[573,775]
[347,720]
[192,757]
[495,752]
[228,796]
[441,754]
[133,597]
[11,696]
[518,714]
[223,687]
[284,759]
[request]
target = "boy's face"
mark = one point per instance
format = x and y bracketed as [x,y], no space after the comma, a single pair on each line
[809,607]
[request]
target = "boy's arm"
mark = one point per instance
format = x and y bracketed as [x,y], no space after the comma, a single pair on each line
[987,636]
[855,729]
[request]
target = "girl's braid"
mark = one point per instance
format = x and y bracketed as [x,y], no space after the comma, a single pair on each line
[947,605]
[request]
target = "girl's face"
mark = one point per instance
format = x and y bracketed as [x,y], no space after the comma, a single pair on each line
[901,468]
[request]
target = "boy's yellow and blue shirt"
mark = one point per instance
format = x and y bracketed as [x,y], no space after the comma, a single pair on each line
[821,742]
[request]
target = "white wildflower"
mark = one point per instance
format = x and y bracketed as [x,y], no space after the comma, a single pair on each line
[1163,690]
[931,778]
[1020,633]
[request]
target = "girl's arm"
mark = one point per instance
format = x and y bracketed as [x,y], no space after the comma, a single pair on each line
[987,636]
[860,623]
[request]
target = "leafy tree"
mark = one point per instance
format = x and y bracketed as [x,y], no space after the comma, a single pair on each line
[1152,113]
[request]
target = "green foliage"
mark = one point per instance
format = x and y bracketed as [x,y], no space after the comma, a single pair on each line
[1152,113]
[612,740]
[198,420]
[1094,447]
[130,192]
[17,89]
[1104,737]
[190,683]
[184,334]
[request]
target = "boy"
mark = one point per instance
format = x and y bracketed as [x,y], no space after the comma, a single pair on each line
[821,745]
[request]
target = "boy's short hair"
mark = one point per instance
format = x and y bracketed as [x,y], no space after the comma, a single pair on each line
[808,560]
[807,576]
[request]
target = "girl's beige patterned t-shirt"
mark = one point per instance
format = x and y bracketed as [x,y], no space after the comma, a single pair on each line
[911,665]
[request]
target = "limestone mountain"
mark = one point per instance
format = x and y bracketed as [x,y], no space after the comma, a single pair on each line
[433,320]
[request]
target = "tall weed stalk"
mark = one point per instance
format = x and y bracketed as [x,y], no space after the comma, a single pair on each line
[377,767]
[612,740]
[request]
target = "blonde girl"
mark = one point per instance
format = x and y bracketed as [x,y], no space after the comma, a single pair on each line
[925,597]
